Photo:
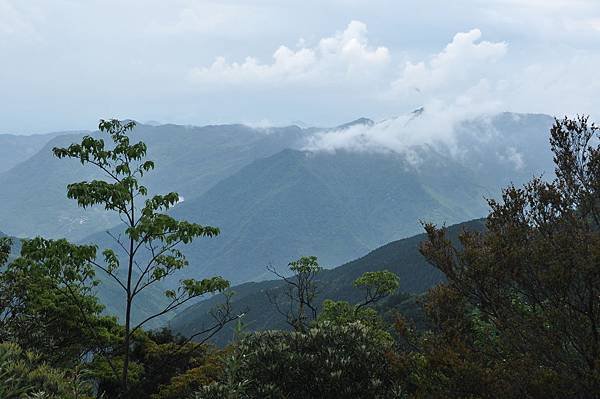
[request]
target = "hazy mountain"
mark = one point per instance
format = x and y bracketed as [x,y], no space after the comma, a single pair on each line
[401,257]
[339,205]
[275,204]
[189,160]
[17,148]
[335,206]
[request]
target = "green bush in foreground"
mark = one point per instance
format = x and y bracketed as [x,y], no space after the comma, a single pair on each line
[328,361]
[23,375]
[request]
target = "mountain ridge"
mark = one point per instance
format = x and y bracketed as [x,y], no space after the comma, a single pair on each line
[401,257]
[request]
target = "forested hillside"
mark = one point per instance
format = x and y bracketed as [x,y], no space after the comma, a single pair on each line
[401,257]
[460,311]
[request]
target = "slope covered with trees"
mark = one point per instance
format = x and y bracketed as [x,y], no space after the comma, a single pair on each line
[195,159]
[401,257]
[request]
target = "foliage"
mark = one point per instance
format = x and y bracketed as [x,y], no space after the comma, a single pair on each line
[48,304]
[377,285]
[328,361]
[342,312]
[401,257]
[149,250]
[5,245]
[162,365]
[300,294]
[521,309]
[24,375]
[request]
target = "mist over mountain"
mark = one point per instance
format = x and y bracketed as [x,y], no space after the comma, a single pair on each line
[191,160]
[340,204]
[280,193]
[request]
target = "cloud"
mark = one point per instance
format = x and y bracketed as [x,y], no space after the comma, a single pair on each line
[223,61]
[452,86]
[346,55]
[515,157]
[17,20]
[463,61]
[433,125]
[208,18]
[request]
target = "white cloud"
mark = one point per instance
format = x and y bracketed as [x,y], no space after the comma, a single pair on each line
[452,86]
[346,55]
[18,20]
[513,156]
[464,60]
[432,125]
[157,60]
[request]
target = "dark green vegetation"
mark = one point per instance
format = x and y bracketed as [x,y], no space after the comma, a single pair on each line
[274,204]
[147,228]
[401,257]
[511,308]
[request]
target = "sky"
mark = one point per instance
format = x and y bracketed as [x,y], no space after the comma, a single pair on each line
[64,64]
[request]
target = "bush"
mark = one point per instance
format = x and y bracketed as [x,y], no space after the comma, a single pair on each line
[328,361]
[23,375]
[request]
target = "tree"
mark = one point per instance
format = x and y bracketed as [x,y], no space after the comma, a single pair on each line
[147,227]
[47,303]
[157,358]
[5,245]
[520,313]
[376,285]
[300,294]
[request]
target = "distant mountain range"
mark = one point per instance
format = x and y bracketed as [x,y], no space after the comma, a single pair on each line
[189,160]
[17,148]
[275,201]
[401,257]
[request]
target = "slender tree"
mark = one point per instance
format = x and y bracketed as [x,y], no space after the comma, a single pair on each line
[151,236]
[300,293]
[376,286]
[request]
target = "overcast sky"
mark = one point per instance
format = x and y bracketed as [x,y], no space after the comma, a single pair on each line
[66,63]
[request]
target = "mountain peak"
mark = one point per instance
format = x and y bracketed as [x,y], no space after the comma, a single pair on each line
[359,121]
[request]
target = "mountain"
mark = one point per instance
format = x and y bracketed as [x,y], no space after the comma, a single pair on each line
[340,205]
[17,148]
[356,122]
[401,257]
[275,204]
[335,206]
[189,160]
